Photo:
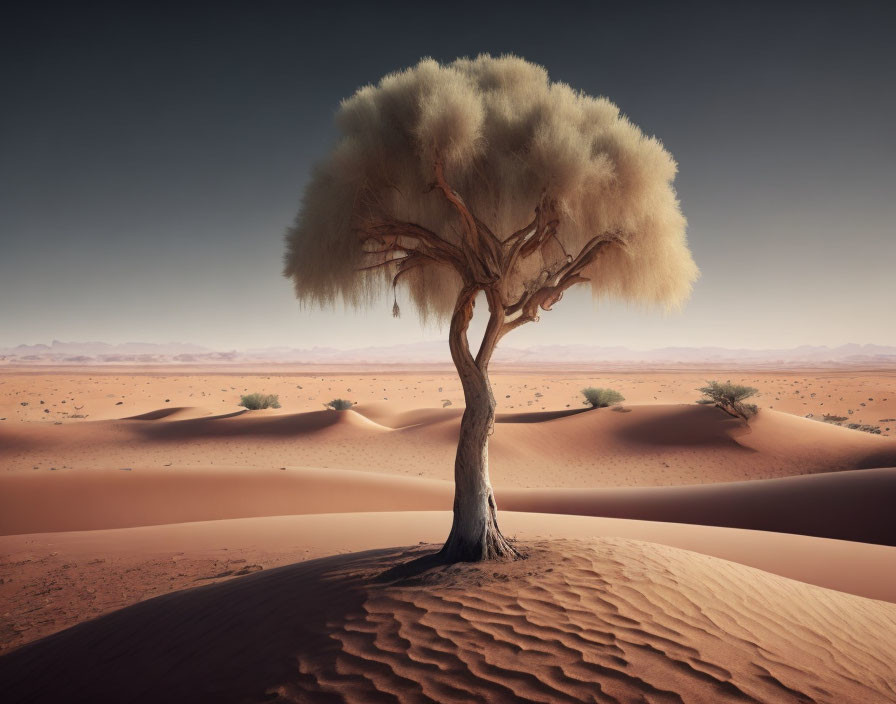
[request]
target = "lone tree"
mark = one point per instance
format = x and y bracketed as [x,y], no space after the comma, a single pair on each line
[483,178]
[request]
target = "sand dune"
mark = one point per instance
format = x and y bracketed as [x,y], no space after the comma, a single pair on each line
[177,487]
[865,395]
[855,505]
[37,503]
[256,424]
[177,413]
[612,619]
[134,564]
[655,445]
[386,414]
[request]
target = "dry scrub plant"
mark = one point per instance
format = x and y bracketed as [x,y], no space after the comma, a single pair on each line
[339,404]
[256,401]
[601,398]
[730,398]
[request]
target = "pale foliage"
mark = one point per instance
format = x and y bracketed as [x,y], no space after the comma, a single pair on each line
[601,398]
[257,401]
[508,137]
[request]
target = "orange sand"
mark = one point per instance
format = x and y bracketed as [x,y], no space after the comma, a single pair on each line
[607,619]
[224,495]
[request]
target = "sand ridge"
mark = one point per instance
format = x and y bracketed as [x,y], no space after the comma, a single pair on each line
[854,505]
[134,564]
[612,619]
[646,445]
[110,393]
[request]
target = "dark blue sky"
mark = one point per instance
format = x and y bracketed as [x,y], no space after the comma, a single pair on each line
[152,155]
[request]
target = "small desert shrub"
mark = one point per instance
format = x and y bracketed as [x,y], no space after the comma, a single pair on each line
[749,409]
[339,404]
[873,429]
[255,402]
[729,397]
[832,418]
[601,398]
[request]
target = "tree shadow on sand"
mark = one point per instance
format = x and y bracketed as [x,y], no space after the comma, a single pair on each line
[229,642]
[433,566]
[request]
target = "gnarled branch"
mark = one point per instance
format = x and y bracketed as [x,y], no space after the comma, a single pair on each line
[492,329]
[522,232]
[550,288]
[483,250]
[533,236]
[460,322]
[547,222]
[426,242]
[385,262]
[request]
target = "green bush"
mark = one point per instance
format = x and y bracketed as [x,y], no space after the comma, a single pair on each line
[601,398]
[339,404]
[255,402]
[729,397]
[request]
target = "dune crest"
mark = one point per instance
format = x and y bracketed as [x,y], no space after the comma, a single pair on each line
[853,505]
[649,445]
[612,619]
[178,413]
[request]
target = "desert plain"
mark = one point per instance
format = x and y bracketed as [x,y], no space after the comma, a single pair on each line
[160,543]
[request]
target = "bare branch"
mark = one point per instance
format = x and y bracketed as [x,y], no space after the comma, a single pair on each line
[392,227]
[588,253]
[484,230]
[527,230]
[492,330]
[549,287]
[543,298]
[425,241]
[460,322]
[560,245]
[453,197]
[546,223]
[514,253]
[410,262]
[483,251]
[522,232]
[377,265]
[530,238]
[514,324]
[391,247]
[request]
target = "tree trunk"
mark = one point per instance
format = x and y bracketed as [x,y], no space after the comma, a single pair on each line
[474,534]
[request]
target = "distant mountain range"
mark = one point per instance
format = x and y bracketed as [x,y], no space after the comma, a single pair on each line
[435,352]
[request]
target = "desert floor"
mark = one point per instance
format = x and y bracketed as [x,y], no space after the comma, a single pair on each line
[159,543]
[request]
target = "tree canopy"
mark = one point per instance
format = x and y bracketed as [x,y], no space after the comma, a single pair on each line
[483,173]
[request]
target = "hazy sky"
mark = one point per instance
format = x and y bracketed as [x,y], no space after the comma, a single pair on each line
[152,156]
